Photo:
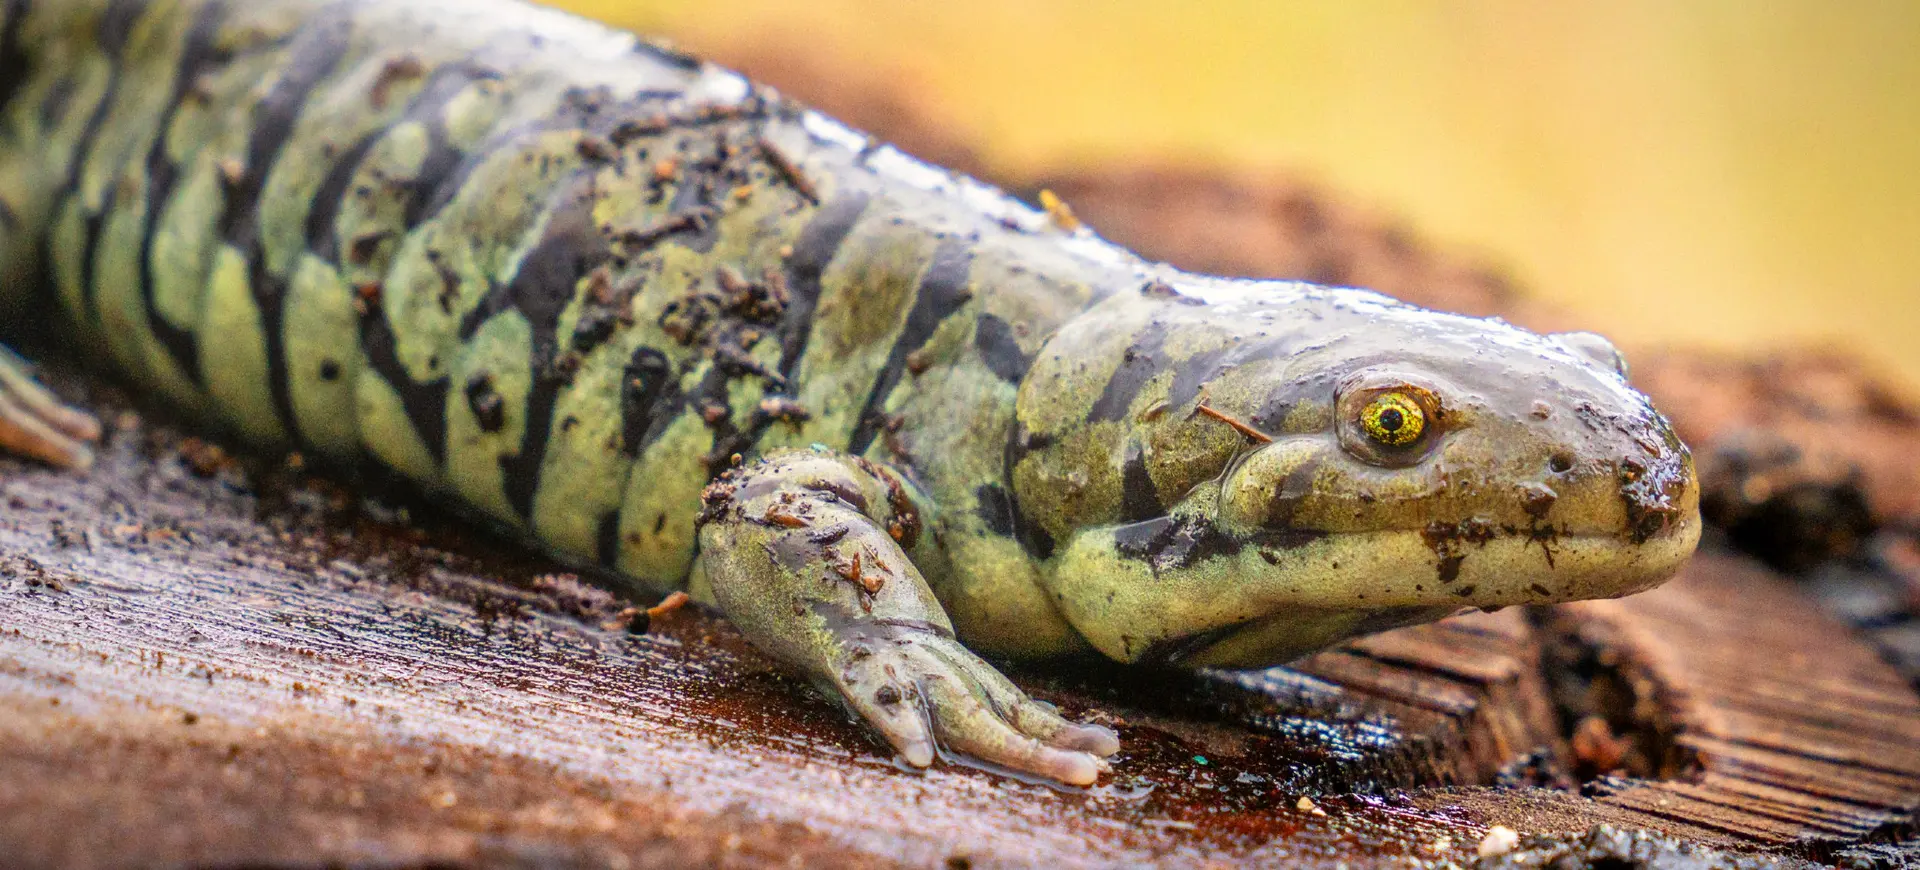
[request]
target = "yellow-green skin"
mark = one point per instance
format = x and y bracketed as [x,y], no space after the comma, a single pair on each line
[571,280]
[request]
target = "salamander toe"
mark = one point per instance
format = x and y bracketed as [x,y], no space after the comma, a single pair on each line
[35,424]
[926,691]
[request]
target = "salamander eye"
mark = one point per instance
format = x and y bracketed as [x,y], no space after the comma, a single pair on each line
[1394,419]
[1389,420]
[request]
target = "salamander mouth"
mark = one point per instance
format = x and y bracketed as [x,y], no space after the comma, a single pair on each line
[1276,640]
[1389,579]
[1191,592]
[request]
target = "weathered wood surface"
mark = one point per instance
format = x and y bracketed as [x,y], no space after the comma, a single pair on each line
[1786,728]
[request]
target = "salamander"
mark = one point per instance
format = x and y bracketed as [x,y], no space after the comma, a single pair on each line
[669,323]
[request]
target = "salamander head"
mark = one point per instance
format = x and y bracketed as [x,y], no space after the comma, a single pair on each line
[1347,463]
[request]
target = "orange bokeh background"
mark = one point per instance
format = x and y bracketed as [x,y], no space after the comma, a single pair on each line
[1717,172]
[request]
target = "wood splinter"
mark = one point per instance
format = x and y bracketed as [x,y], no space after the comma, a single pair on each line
[640,621]
[1242,428]
[790,172]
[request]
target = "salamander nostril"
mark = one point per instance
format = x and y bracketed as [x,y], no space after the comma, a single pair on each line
[1652,495]
[1560,463]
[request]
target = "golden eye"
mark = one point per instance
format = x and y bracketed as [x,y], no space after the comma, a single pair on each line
[1394,419]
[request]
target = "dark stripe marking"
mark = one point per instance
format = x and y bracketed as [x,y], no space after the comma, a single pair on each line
[813,251]
[316,51]
[1169,543]
[59,98]
[1139,365]
[544,284]
[993,338]
[322,235]
[14,65]
[995,509]
[1035,540]
[116,27]
[647,386]
[428,107]
[1001,514]
[1145,359]
[199,55]
[94,225]
[607,539]
[943,291]
[425,403]
[727,437]
[1175,542]
[1196,371]
[1139,498]
[440,169]
[445,171]
[450,184]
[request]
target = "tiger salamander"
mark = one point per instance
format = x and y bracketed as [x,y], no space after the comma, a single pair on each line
[669,323]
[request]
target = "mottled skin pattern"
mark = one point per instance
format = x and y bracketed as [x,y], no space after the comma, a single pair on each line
[670,323]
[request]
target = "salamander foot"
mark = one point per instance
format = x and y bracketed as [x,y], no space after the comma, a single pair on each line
[924,690]
[35,424]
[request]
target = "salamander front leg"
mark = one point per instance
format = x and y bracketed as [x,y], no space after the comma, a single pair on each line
[804,551]
[33,423]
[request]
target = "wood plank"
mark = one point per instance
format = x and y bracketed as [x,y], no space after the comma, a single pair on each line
[1800,732]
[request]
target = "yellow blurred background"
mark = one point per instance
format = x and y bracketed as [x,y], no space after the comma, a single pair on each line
[1728,172]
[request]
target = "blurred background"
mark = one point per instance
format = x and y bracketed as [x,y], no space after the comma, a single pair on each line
[1720,172]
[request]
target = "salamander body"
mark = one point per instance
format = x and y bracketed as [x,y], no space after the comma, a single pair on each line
[671,323]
